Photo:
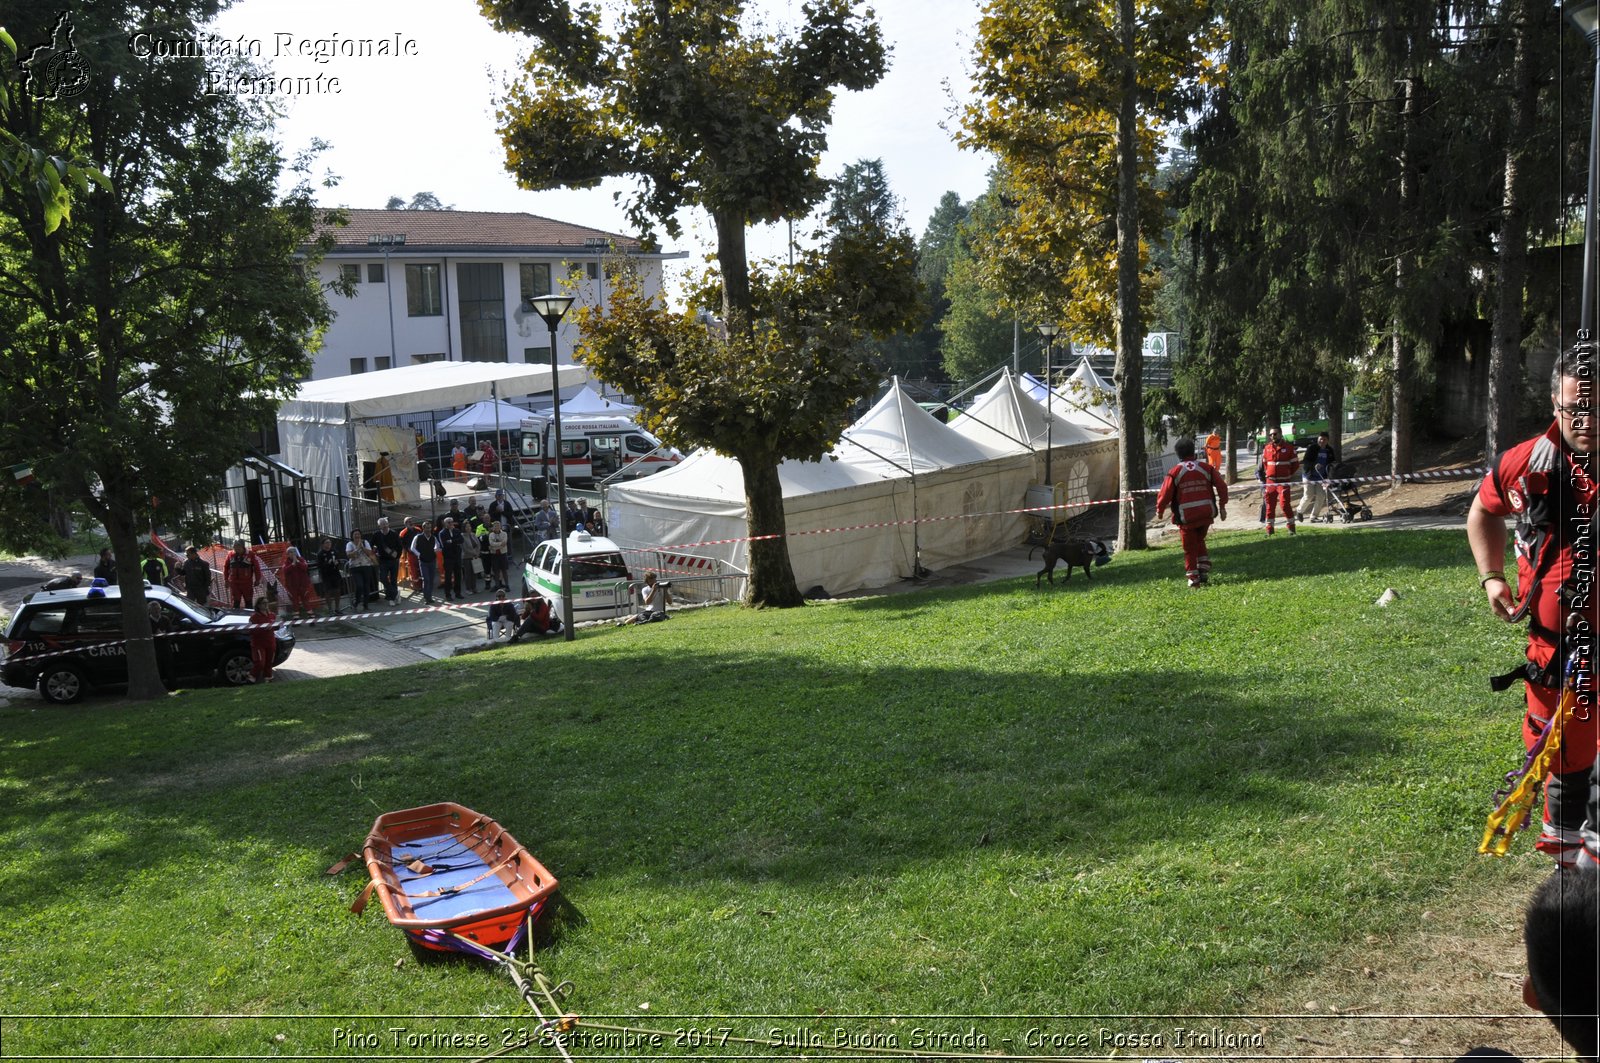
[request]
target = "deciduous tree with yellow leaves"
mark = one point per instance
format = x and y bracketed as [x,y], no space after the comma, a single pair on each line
[1073,97]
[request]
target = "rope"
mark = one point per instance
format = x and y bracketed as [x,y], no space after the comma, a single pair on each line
[1522,784]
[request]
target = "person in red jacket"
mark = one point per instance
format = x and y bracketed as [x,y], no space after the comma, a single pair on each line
[1548,483]
[263,641]
[1277,469]
[1197,495]
[295,578]
[242,574]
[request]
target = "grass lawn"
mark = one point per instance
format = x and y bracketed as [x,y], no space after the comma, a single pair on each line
[1107,798]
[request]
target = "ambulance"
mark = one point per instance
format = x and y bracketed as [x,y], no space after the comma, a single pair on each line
[592,448]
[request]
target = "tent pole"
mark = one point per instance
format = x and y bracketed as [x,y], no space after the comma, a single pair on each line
[917,571]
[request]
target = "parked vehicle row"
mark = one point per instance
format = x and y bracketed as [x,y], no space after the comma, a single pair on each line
[68,642]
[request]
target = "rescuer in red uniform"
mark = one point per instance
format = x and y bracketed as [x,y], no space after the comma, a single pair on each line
[1277,468]
[1197,494]
[1548,483]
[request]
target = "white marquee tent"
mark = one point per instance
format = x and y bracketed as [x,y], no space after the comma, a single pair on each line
[896,463]
[491,415]
[326,432]
[587,402]
[1084,398]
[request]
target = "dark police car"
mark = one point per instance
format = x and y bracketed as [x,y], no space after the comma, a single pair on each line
[210,642]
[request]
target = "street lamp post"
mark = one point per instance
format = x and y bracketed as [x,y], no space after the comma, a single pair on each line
[1586,16]
[553,308]
[1049,332]
[387,241]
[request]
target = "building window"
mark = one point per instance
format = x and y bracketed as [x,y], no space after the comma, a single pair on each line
[535,280]
[374,272]
[536,355]
[381,362]
[358,365]
[420,359]
[594,271]
[481,304]
[422,291]
[350,274]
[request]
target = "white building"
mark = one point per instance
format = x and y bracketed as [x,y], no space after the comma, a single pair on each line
[452,285]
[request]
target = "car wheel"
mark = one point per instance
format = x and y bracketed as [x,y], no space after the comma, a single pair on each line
[62,684]
[234,669]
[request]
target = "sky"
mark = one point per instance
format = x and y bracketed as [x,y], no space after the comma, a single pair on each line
[423,121]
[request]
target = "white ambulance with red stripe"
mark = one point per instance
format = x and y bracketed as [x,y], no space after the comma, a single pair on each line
[592,448]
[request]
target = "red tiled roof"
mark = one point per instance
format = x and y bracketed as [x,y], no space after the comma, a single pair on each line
[469,229]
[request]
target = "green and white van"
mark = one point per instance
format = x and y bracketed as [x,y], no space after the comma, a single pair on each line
[599,576]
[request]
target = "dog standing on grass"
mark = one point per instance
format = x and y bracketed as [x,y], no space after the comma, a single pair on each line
[1075,553]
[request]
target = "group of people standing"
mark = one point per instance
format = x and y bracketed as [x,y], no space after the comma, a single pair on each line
[580,515]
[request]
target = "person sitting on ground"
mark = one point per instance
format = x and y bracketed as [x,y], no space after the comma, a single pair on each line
[502,614]
[537,619]
[654,597]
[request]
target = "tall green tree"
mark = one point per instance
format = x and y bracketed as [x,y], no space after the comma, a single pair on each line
[780,390]
[1362,173]
[172,310]
[1073,97]
[862,199]
[707,112]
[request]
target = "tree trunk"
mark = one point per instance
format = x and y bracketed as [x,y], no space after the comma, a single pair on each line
[1230,458]
[1129,374]
[144,677]
[1505,344]
[1335,402]
[771,581]
[732,261]
[1400,416]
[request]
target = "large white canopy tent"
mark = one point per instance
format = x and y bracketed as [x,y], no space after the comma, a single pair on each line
[896,463]
[1084,398]
[491,415]
[326,431]
[1007,417]
[587,402]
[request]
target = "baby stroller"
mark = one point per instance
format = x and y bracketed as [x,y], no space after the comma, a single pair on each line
[1344,497]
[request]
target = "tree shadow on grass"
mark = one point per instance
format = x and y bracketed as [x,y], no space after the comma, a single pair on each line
[804,775]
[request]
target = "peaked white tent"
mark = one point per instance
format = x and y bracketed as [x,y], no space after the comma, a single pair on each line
[1007,418]
[1093,394]
[896,464]
[488,416]
[326,430]
[587,402]
[1077,402]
